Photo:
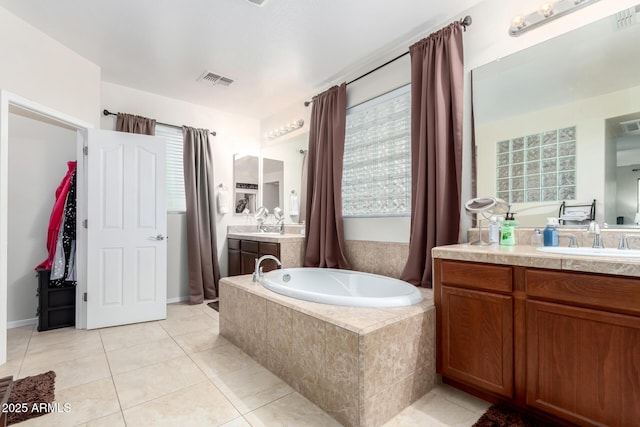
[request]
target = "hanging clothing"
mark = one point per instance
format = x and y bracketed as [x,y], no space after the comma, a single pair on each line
[57,214]
[63,267]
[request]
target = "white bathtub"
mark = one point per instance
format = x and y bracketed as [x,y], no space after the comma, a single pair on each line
[341,287]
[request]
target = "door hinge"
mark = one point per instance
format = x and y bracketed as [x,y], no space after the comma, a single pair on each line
[85,223]
[84,297]
[85,150]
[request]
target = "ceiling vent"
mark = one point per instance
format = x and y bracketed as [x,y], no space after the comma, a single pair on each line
[257,2]
[627,17]
[631,127]
[214,79]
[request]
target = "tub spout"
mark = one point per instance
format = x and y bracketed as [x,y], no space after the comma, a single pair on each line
[257,272]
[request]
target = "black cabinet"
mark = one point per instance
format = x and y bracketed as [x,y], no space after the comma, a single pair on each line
[56,306]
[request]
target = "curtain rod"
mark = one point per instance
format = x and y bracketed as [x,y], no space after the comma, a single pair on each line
[465,22]
[106,112]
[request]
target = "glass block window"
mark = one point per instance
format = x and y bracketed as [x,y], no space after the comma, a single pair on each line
[376,177]
[535,168]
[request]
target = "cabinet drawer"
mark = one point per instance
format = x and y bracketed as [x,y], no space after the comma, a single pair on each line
[234,243]
[268,248]
[615,293]
[477,276]
[249,246]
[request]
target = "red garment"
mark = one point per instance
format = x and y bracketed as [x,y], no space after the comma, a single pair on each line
[56,216]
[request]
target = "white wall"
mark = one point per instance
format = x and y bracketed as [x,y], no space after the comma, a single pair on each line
[234,134]
[39,68]
[39,153]
[36,67]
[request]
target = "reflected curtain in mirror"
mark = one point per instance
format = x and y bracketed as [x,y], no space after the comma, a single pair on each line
[204,271]
[437,80]
[324,236]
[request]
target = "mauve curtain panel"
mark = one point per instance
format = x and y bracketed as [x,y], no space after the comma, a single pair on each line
[135,124]
[324,234]
[437,78]
[204,271]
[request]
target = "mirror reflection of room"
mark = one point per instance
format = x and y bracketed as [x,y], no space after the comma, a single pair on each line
[579,106]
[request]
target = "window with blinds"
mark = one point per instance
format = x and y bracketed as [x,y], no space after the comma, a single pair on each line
[176,201]
[376,177]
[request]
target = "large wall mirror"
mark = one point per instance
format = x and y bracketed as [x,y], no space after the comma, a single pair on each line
[560,121]
[272,183]
[282,174]
[245,183]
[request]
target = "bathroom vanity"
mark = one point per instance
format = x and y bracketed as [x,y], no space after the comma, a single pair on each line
[244,247]
[556,335]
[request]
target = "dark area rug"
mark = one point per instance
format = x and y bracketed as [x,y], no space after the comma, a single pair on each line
[503,416]
[28,391]
[214,305]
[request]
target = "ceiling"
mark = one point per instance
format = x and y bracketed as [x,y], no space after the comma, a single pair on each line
[280,53]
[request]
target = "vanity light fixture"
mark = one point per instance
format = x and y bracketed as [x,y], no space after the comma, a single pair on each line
[283,130]
[547,11]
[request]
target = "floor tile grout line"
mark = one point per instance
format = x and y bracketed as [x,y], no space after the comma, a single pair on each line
[115,389]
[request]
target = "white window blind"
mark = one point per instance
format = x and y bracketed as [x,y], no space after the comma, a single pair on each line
[376,177]
[176,201]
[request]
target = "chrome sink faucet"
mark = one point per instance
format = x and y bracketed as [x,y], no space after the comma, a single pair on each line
[573,242]
[257,272]
[595,229]
[624,241]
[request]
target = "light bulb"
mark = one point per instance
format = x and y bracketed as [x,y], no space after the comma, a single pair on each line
[517,21]
[546,9]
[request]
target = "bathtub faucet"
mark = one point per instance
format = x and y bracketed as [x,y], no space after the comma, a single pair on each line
[257,272]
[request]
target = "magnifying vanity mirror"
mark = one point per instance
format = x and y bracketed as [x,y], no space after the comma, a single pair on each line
[560,121]
[245,183]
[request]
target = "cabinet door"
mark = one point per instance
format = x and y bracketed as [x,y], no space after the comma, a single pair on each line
[583,365]
[234,265]
[477,339]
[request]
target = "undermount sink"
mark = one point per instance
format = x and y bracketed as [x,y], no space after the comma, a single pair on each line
[266,233]
[604,252]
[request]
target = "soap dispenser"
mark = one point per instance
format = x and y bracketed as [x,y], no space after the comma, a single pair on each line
[508,230]
[551,232]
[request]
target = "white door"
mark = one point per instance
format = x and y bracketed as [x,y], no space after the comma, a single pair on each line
[126,229]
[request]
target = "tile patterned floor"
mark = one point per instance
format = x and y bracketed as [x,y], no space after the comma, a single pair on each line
[181,372]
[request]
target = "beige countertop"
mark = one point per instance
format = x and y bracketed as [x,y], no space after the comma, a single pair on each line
[266,237]
[528,256]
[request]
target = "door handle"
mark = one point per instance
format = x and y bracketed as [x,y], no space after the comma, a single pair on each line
[158,237]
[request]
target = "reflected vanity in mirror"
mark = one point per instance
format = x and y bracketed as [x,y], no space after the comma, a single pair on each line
[245,183]
[560,121]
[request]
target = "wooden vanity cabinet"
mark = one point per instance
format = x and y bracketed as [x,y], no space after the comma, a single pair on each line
[583,347]
[556,343]
[476,325]
[243,253]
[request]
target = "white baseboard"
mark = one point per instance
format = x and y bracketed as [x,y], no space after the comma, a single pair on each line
[24,322]
[179,299]
[34,321]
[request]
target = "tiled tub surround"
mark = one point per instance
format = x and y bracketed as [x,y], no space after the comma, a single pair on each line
[384,258]
[361,365]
